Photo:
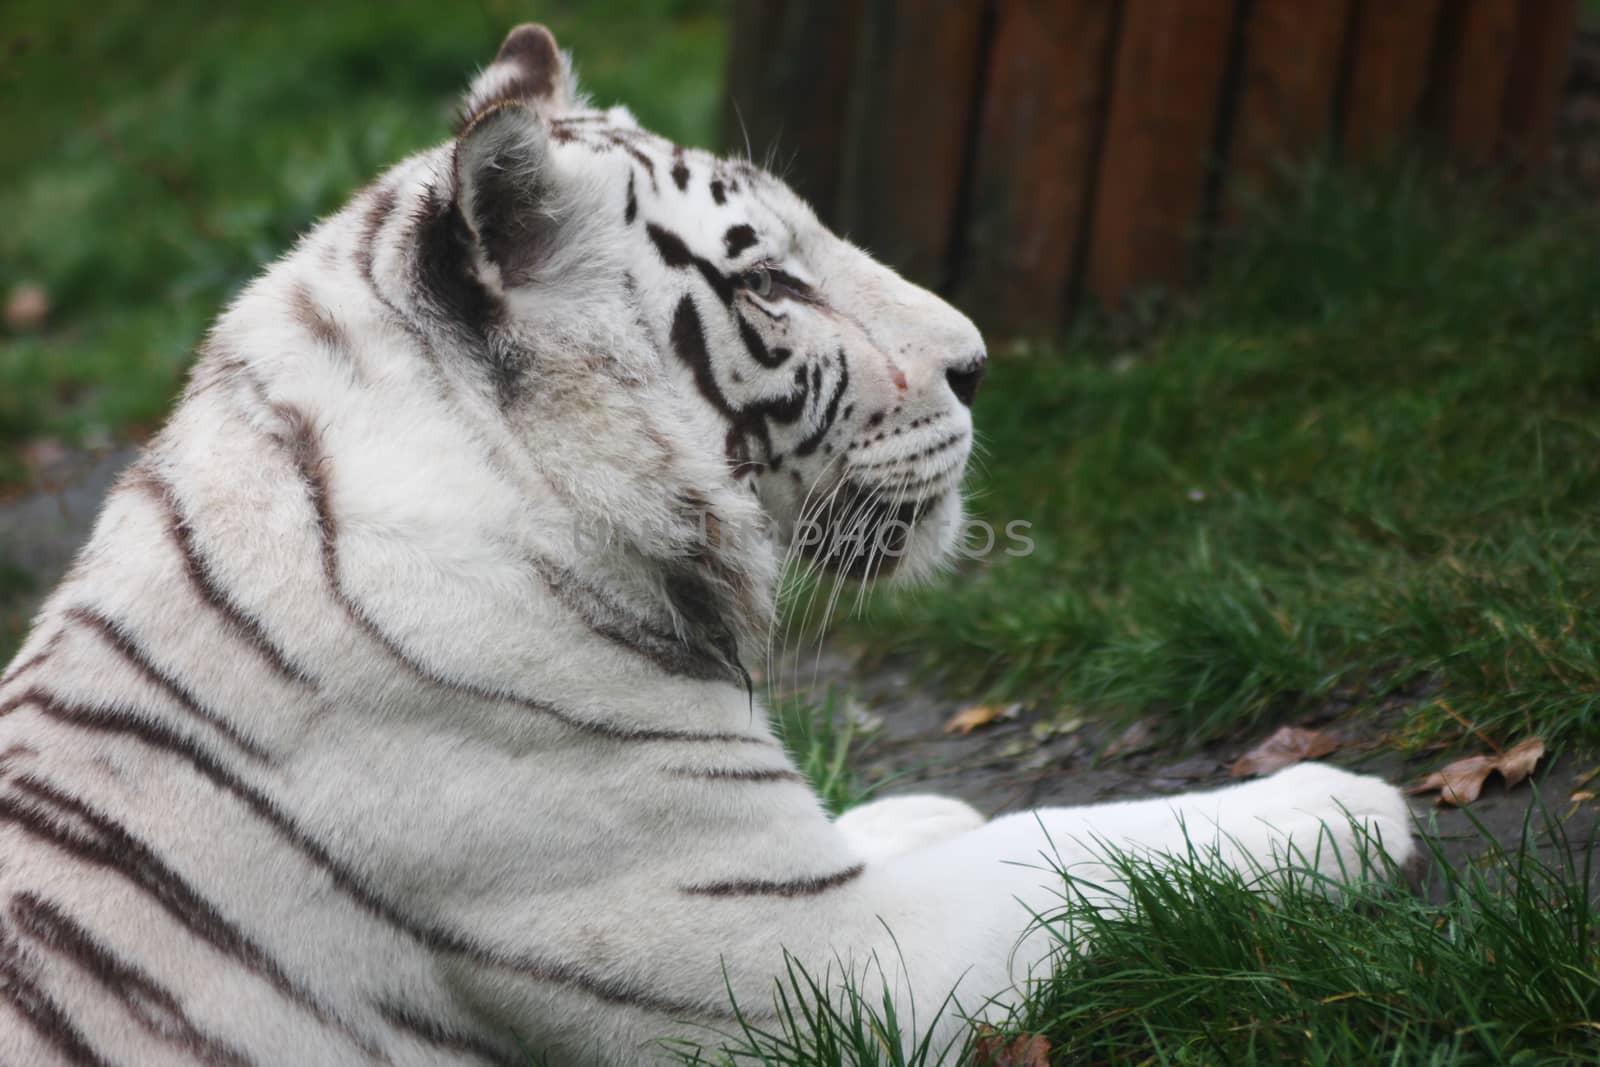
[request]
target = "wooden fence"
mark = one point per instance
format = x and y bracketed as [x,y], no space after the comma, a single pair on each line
[1019,155]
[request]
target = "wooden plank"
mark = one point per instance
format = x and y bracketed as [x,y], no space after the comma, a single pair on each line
[1393,46]
[1288,91]
[1154,169]
[790,68]
[1546,30]
[908,146]
[1044,109]
[755,31]
[1476,42]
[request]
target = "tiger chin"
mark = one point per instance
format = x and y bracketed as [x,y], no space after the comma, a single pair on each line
[395,711]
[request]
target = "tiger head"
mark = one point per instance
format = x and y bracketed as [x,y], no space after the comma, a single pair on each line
[831,390]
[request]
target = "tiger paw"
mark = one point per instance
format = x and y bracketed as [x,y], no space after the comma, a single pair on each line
[896,825]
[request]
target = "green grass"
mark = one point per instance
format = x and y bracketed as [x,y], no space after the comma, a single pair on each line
[1498,964]
[157,154]
[1493,961]
[822,740]
[1363,464]
[1212,966]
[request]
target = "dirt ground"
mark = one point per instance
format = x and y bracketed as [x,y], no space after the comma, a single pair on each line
[1032,760]
[1029,759]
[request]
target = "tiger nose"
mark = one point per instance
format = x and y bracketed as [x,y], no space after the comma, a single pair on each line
[965,377]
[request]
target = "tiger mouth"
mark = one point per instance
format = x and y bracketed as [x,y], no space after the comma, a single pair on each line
[862,531]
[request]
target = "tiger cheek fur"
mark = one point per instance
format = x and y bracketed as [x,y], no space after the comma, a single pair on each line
[396,711]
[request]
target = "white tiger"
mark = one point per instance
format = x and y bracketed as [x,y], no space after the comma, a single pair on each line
[395,711]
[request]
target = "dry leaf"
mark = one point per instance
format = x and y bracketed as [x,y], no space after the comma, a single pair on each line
[1460,783]
[970,718]
[1290,744]
[1583,778]
[1136,738]
[1025,1050]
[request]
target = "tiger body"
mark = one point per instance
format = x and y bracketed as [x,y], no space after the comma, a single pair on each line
[395,713]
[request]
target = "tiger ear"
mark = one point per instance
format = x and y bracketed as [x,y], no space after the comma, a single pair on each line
[529,69]
[505,188]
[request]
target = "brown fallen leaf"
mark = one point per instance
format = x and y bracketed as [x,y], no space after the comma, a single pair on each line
[1136,738]
[1583,778]
[1025,1050]
[970,718]
[1460,783]
[1290,744]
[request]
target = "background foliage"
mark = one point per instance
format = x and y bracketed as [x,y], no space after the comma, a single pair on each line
[157,154]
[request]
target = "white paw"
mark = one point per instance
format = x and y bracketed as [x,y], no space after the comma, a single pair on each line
[895,825]
[1331,817]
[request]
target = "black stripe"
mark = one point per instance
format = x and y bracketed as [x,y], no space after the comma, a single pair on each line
[932,450]
[783,409]
[717,774]
[372,224]
[43,656]
[680,170]
[440,243]
[232,368]
[809,445]
[798,887]
[440,1036]
[204,580]
[306,452]
[689,343]
[377,216]
[614,137]
[627,994]
[69,824]
[383,202]
[378,212]
[758,348]
[738,238]
[630,212]
[674,253]
[434,938]
[719,191]
[317,321]
[115,634]
[445,275]
[796,289]
[917,484]
[39,1011]
[129,722]
[154,1007]
[606,616]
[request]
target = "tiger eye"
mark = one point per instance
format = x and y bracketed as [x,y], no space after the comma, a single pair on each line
[759,282]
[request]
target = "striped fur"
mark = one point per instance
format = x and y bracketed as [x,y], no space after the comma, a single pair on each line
[396,711]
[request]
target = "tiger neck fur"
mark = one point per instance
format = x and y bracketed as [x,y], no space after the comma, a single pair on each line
[566,395]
